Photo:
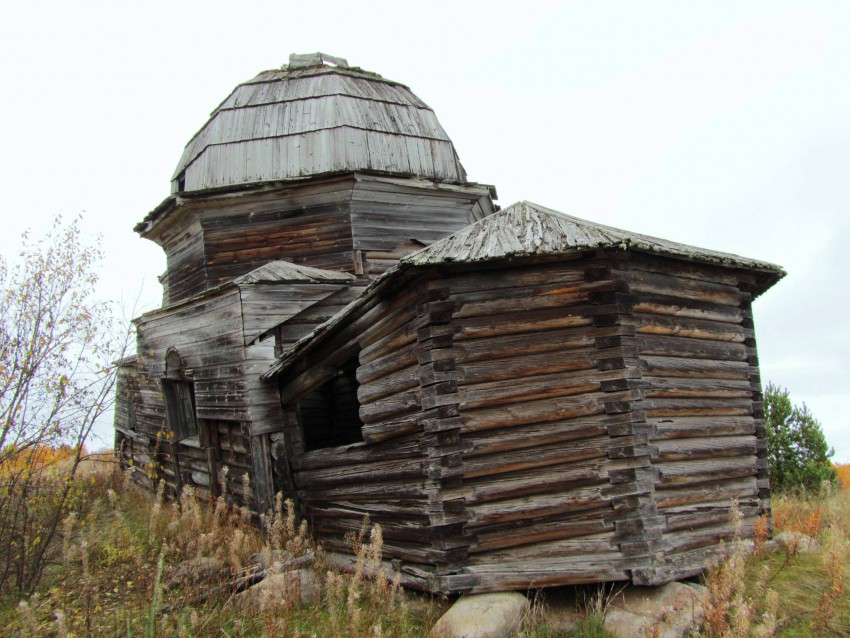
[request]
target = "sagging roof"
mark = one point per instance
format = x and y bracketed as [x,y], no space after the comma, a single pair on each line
[280,271]
[526,230]
[316,116]
[274,272]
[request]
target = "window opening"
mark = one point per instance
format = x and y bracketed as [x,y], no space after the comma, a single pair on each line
[330,415]
[179,395]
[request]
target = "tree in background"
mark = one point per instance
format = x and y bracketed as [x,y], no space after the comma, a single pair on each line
[797,448]
[57,347]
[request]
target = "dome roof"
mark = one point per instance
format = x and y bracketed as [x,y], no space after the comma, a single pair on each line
[315,116]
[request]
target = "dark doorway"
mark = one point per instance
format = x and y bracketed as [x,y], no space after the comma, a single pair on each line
[330,415]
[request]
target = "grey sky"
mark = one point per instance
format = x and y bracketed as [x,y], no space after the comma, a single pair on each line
[720,124]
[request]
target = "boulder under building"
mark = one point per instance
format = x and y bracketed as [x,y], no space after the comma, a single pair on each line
[518,397]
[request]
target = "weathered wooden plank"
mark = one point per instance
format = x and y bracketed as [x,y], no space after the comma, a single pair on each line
[689,427]
[548,473]
[669,284]
[540,411]
[533,506]
[375,471]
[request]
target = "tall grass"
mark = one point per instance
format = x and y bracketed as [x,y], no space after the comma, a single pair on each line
[129,563]
[786,591]
[132,564]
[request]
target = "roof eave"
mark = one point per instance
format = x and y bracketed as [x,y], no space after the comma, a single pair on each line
[767,275]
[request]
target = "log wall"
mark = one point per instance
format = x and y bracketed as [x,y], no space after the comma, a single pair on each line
[701,395]
[577,421]
[385,477]
[548,457]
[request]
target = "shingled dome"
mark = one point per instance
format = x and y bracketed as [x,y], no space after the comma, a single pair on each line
[316,116]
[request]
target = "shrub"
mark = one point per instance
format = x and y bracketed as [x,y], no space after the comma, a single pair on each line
[56,380]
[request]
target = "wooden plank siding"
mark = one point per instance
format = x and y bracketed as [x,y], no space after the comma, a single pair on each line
[186,267]
[391,218]
[344,223]
[226,338]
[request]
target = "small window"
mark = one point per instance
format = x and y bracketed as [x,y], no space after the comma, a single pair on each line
[330,415]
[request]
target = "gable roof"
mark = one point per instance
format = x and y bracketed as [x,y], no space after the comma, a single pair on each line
[523,230]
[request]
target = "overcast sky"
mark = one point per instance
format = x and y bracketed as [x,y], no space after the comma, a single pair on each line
[720,124]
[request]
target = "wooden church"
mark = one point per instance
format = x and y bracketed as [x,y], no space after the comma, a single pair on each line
[520,398]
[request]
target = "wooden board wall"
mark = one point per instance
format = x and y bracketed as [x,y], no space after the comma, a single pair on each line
[226,340]
[208,336]
[183,244]
[388,214]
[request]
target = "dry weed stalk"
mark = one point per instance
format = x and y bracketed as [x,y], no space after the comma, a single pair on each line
[281,531]
[158,518]
[28,620]
[729,611]
[834,564]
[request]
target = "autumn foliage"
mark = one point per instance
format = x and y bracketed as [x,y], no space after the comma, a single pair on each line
[57,348]
[843,470]
[40,457]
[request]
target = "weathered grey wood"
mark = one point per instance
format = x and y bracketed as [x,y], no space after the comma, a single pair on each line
[266,130]
[536,399]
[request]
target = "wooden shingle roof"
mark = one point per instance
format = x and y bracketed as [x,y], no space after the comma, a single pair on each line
[316,116]
[528,229]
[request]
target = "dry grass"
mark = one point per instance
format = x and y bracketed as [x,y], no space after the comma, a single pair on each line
[120,575]
[116,574]
[786,592]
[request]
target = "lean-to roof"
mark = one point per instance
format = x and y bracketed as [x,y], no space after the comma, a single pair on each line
[274,272]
